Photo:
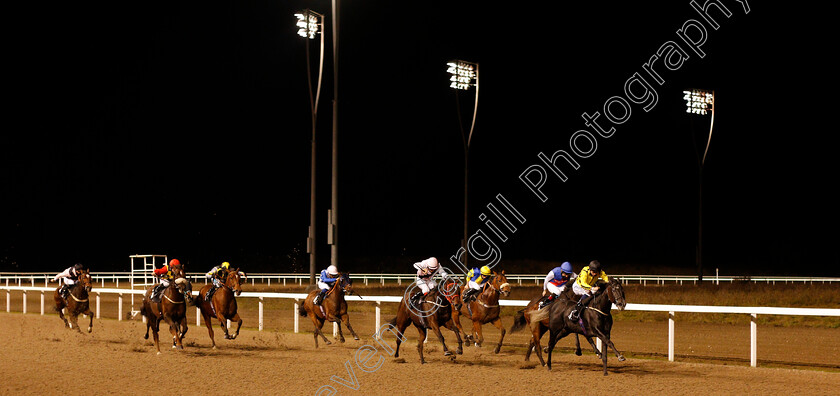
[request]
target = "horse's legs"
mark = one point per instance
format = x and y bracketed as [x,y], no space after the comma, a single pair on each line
[578,352]
[420,340]
[346,319]
[208,321]
[155,329]
[498,324]
[478,337]
[340,333]
[451,326]
[184,327]
[607,342]
[537,335]
[89,315]
[319,323]
[222,322]
[594,347]
[436,328]
[553,337]
[238,321]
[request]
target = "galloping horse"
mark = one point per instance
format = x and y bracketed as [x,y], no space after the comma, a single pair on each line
[595,319]
[223,304]
[434,310]
[537,320]
[485,309]
[172,308]
[77,303]
[332,309]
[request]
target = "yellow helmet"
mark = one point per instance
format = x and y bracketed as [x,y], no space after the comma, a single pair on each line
[226,265]
[485,270]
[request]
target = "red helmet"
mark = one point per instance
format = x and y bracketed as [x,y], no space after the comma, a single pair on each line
[174,262]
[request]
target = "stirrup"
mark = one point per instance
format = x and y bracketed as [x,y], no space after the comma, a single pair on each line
[573,315]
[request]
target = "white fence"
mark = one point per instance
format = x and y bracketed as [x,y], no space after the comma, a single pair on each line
[33,278]
[378,300]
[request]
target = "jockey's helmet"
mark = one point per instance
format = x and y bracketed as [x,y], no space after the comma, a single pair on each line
[595,265]
[332,270]
[226,265]
[78,267]
[433,263]
[485,270]
[566,267]
[174,263]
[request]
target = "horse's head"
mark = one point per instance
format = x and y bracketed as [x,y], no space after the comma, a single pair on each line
[615,291]
[450,289]
[85,280]
[500,282]
[233,281]
[345,283]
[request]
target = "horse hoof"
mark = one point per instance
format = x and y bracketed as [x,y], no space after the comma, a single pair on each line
[579,353]
[545,350]
[214,347]
[460,351]
[621,358]
[158,353]
[146,337]
[497,349]
[90,329]
[447,353]
[328,343]
[356,338]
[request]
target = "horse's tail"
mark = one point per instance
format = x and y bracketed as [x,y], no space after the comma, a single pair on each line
[518,321]
[302,310]
[393,321]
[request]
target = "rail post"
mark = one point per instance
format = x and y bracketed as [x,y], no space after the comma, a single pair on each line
[295,314]
[24,301]
[119,307]
[671,336]
[97,306]
[378,315]
[753,340]
[197,316]
[261,314]
[8,299]
[42,303]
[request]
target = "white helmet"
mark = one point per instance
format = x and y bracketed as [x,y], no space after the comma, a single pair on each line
[332,270]
[432,263]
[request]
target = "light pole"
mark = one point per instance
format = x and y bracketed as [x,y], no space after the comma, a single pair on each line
[310,24]
[700,103]
[461,77]
[332,231]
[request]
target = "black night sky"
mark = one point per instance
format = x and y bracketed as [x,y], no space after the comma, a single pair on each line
[183,128]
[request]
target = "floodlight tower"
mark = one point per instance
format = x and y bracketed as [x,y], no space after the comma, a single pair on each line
[463,76]
[310,25]
[700,103]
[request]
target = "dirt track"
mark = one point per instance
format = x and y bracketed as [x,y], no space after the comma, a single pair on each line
[41,357]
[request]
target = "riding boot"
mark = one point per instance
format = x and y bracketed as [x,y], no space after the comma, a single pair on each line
[209,296]
[320,297]
[414,300]
[575,314]
[64,291]
[548,300]
[156,293]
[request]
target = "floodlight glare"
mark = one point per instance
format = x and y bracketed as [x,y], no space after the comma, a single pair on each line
[698,101]
[461,74]
[308,23]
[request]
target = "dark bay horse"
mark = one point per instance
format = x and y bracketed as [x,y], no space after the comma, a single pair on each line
[485,309]
[537,321]
[222,305]
[433,311]
[172,308]
[76,303]
[332,309]
[595,319]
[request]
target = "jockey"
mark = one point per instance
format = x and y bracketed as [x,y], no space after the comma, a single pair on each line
[556,281]
[426,270]
[215,277]
[475,280]
[325,283]
[163,273]
[69,278]
[585,285]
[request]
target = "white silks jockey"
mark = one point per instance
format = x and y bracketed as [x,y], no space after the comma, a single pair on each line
[556,282]
[325,283]
[68,278]
[426,270]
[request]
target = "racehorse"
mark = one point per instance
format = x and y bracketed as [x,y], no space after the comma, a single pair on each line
[172,308]
[595,319]
[76,303]
[537,320]
[485,309]
[332,309]
[223,304]
[433,311]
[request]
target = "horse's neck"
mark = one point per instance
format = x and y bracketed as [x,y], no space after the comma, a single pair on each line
[602,301]
[81,290]
[491,294]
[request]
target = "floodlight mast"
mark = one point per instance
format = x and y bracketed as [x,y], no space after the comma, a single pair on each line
[700,103]
[310,24]
[461,78]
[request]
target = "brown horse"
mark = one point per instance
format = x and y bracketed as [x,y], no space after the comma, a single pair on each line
[485,309]
[537,321]
[76,303]
[595,319]
[172,308]
[434,311]
[332,309]
[223,304]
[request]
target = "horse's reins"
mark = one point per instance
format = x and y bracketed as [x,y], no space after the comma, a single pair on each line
[609,297]
[499,289]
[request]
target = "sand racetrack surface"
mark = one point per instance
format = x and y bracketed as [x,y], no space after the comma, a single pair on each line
[42,357]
